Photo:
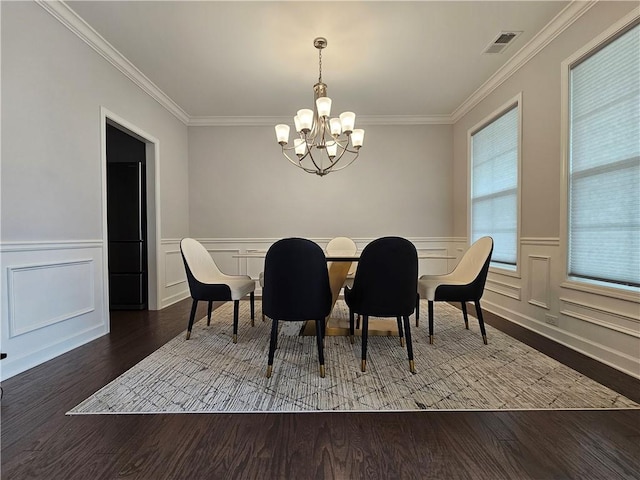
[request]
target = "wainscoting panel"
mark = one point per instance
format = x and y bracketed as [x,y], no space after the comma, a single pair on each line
[173,278]
[602,324]
[53,300]
[539,279]
[70,288]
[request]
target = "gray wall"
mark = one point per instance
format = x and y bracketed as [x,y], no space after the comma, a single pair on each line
[539,80]
[241,186]
[53,85]
[598,321]
[51,244]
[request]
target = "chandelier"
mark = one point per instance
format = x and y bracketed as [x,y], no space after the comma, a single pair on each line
[323,142]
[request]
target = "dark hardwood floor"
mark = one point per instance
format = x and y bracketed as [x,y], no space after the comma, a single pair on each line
[40,442]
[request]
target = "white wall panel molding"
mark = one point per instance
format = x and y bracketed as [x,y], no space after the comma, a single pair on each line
[618,319]
[601,323]
[627,295]
[173,275]
[65,15]
[52,300]
[173,279]
[616,358]
[319,240]
[539,280]
[540,241]
[21,361]
[71,290]
[504,289]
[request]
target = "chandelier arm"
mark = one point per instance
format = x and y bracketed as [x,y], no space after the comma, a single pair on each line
[345,149]
[312,159]
[297,163]
[331,169]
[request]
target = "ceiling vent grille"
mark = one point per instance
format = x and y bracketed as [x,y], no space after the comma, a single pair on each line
[501,42]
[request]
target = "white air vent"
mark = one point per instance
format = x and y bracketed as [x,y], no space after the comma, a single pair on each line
[501,42]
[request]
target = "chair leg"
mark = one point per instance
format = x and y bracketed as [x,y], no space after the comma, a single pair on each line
[358,321]
[417,309]
[272,346]
[400,331]
[430,321]
[481,322]
[464,314]
[320,341]
[194,306]
[252,302]
[236,307]
[365,335]
[351,329]
[407,332]
[322,328]
[209,308]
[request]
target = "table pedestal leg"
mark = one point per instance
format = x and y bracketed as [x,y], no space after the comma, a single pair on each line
[340,326]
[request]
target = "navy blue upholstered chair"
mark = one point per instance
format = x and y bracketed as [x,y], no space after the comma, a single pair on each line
[296,288]
[207,283]
[464,284]
[385,285]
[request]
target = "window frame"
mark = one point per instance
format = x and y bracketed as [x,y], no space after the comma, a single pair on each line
[514,102]
[608,289]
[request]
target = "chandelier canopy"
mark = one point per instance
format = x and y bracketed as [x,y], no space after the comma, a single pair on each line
[323,142]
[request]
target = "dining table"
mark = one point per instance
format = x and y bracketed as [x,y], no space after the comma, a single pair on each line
[339,264]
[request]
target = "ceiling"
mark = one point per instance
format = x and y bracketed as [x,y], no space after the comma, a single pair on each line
[257,59]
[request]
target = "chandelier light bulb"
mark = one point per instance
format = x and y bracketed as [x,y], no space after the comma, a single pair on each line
[305,116]
[357,137]
[324,106]
[301,147]
[336,126]
[296,121]
[332,149]
[282,134]
[348,120]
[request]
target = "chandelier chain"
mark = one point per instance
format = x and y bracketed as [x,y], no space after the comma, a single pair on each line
[320,65]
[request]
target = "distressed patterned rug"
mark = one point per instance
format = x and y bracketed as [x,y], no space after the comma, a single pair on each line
[209,374]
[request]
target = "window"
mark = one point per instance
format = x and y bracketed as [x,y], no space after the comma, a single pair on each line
[604,163]
[494,184]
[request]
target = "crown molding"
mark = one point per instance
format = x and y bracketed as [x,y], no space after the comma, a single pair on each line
[363,120]
[63,13]
[70,19]
[555,27]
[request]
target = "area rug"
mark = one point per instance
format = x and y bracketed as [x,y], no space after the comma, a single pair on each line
[210,374]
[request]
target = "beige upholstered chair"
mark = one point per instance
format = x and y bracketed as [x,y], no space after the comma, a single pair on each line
[343,246]
[464,284]
[207,283]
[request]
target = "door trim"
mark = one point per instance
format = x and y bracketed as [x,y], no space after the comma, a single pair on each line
[152,151]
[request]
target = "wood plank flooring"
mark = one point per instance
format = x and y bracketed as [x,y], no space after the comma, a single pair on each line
[39,442]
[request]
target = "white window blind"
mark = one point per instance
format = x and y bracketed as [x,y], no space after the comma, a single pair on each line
[604,163]
[494,186]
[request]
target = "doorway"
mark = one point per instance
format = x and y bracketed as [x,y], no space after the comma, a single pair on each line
[126,220]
